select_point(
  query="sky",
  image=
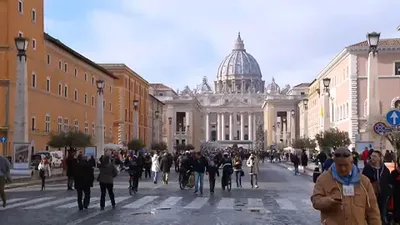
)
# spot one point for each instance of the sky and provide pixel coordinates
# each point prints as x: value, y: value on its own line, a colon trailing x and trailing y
x: 177, y: 42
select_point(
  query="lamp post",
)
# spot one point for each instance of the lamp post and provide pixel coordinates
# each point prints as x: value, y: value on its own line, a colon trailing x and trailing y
x: 305, y: 117
x: 21, y: 92
x: 326, y: 112
x: 135, y: 119
x: 284, y: 130
x: 372, y: 77
x: 170, y: 143
x: 21, y: 106
x: 156, y: 115
x: 291, y: 126
x: 100, y: 119
x: 187, y: 134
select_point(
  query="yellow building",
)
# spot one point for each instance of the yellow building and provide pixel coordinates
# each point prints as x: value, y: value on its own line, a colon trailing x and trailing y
x: 61, y: 83
x: 129, y: 87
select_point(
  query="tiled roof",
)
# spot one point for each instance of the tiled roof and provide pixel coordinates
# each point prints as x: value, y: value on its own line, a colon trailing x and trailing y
x: 159, y: 86
x: 382, y: 42
x: 77, y: 55
x: 302, y: 85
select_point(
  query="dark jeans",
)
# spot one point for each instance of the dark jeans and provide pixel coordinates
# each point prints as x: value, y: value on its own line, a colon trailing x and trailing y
x: 2, y: 188
x: 43, y: 181
x: 110, y: 189
x: 212, y: 183
x: 253, y: 180
x: 140, y: 172
x: 147, y: 172
x: 238, y: 178
x: 383, y: 207
x: 70, y: 182
x: 86, y: 199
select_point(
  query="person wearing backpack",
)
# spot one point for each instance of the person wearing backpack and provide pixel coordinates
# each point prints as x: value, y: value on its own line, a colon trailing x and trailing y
x: 44, y: 171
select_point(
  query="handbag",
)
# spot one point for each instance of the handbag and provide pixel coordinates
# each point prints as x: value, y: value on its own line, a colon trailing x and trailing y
x: 41, y: 173
x: 242, y: 173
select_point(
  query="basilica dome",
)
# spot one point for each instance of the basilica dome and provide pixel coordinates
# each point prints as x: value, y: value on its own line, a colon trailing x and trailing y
x: 273, y: 87
x: 239, y: 64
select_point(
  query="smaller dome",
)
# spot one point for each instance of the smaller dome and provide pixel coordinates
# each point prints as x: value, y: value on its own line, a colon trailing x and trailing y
x: 273, y: 88
x: 204, y: 87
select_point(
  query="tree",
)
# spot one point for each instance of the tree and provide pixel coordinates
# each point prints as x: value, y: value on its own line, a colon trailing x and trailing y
x: 259, y: 137
x: 394, y: 138
x: 189, y: 147
x: 304, y: 143
x: 159, y: 146
x: 69, y: 140
x: 332, y: 138
x: 136, y: 145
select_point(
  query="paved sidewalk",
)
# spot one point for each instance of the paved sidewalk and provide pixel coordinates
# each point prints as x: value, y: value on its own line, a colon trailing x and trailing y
x: 310, y: 168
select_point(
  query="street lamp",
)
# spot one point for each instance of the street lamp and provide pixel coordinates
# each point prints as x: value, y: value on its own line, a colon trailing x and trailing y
x: 326, y: 82
x: 373, y: 41
x: 170, y: 120
x: 21, y: 107
x: 170, y: 143
x: 136, y: 119
x: 292, y: 112
x: 100, y: 118
x: 21, y: 44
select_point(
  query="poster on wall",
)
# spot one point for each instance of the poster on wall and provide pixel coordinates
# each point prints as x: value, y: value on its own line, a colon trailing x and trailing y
x: 22, y: 155
x: 90, y: 151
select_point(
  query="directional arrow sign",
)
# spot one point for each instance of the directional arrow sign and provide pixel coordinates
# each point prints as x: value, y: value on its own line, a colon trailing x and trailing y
x: 393, y: 117
x: 3, y: 139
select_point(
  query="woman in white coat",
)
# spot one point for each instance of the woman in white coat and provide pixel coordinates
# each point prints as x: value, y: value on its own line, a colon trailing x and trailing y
x: 252, y: 163
x: 44, y: 171
x: 155, y: 167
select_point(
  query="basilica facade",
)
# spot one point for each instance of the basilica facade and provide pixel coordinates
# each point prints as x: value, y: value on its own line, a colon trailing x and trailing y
x: 234, y: 106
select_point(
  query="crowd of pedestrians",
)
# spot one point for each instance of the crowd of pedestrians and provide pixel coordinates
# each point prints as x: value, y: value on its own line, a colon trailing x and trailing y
x: 347, y: 194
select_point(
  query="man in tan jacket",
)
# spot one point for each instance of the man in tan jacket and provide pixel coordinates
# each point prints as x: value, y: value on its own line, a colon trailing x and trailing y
x: 344, y: 196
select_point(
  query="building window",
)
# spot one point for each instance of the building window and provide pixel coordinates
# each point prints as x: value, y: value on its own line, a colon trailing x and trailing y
x: 20, y: 6
x: 111, y: 133
x: 126, y: 115
x: 76, y: 95
x: 86, y: 127
x: 20, y: 34
x: 104, y: 104
x: 34, y: 15
x: 60, y: 89
x: 66, y: 125
x: 85, y: 99
x: 59, y: 124
x: 85, y: 76
x: 48, y: 59
x: 110, y: 89
x: 47, y: 123
x: 34, y: 44
x: 397, y: 68
x: 92, y: 80
x: 66, y: 91
x: 33, y: 124
x: 105, y: 135
x: 48, y: 84
x: 93, y: 129
x: 110, y: 107
x: 33, y: 80
x: 75, y: 72
x: 59, y: 64
x: 92, y: 101
x: 66, y: 67
x: 76, y: 125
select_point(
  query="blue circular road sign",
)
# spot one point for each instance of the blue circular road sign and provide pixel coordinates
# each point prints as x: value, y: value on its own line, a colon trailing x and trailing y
x: 393, y: 117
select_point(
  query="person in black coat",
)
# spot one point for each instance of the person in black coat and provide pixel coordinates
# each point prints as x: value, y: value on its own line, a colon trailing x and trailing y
x: 212, y: 170
x: 165, y: 166
x: 379, y: 175
x: 71, y: 164
x: 395, y: 182
x: 83, y: 178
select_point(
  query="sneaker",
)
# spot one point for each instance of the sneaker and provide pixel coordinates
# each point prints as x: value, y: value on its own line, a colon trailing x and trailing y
x: 195, y: 191
x: 4, y: 204
x: 256, y: 186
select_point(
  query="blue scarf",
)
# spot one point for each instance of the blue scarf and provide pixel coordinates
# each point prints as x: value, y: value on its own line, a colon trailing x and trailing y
x: 353, y: 178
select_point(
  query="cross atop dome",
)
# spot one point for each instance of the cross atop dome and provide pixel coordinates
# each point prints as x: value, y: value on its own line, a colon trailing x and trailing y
x: 239, y: 45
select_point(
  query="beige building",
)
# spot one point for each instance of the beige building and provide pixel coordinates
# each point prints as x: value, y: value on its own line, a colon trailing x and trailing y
x: 182, y: 117
x: 156, y: 113
x: 362, y: 89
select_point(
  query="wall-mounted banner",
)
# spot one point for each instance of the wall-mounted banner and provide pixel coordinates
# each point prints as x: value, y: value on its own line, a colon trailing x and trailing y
x: 22, y: 155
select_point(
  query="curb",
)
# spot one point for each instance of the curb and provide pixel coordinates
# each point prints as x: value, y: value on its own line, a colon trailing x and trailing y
x: 36, y: 181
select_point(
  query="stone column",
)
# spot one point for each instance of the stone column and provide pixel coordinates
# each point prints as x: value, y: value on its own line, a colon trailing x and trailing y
x: 218, y: 126
x: 250, y: 126
x: 100, y: 124
x: 241, y: 126
x: 207, y: 126
x: 234, y: 125
x: 223, y: 126
x: 21, y: 102
x: 231, y: 126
